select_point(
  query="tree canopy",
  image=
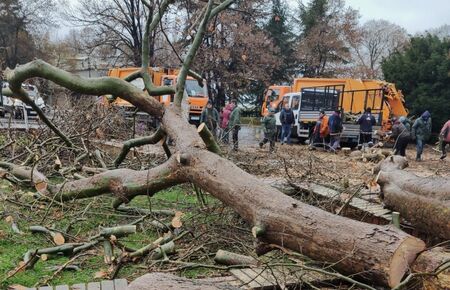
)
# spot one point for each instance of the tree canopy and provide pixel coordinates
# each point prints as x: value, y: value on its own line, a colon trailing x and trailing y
x: 422, y: 71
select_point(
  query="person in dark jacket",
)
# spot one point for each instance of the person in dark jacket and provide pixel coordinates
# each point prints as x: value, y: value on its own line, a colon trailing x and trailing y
x: 335, y: 128
x: 210, y: 117
x: 445, y: 138
x: 401, y: 135
x: 270, y: 129
x: 287, y: 120
x: 421, y: 132
x: 366, y: 123
x: 234, y: 124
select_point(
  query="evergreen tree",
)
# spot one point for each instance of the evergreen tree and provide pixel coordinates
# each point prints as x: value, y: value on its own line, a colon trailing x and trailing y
x: 422, y: 72
x: 283, y: 38
x: 312, y: 14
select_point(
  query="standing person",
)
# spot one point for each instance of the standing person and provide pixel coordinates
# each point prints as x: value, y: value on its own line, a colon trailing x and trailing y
x: 366, y: 123
x: 405, y: 121
x: 234, y: 124
x: 210, y: 117
x: 287, y: 121
x: 224, y: 122
x: 421, y: 132
x: 445, y: 138
x: 401, y: 135
x: 270, y: 129
x: 335, y: 126
x: 321, y: 129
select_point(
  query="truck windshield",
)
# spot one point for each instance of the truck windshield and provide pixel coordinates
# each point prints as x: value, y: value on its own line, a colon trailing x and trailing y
x: 193, y: 89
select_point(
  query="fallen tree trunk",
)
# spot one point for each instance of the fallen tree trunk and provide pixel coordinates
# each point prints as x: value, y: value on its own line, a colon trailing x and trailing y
x: 32, y: 175
x: 382, y: 254
x: 423, y: 201
x: 430, y: 262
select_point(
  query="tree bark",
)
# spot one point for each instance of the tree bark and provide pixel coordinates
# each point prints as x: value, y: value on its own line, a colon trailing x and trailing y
x: 37, y: 179
x: 423, y: 201
x: 230, y: 258
x: 382, y: 253
x: 430, y: 262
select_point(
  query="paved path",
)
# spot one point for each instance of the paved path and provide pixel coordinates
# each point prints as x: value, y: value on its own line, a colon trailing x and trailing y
x: 118, y: 284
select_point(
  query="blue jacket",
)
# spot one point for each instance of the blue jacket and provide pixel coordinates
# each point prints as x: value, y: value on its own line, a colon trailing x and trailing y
x: 335, y: 123
x: 366, y: 122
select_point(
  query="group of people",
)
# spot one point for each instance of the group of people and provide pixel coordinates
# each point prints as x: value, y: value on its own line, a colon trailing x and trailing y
x: 221, y: 125
x: 287, y: 120
x: 420, y: 132
x: 326, y: 128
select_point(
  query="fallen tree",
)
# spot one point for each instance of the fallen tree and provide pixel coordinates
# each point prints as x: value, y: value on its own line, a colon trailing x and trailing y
x: 382, y: 254
x: 423, y: 201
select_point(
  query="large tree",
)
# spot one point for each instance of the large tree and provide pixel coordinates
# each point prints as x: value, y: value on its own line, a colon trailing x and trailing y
x: 328, y: 28
x: 382, y: 254
x: 117, y: 25
x: 238, y: 56
x: 20, y: 22
x: 421, y: 71
x: 283, y: 38
x: 378, y: 39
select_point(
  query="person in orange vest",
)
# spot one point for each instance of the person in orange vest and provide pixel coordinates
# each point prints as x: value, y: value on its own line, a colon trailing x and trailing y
x: 321, y: 130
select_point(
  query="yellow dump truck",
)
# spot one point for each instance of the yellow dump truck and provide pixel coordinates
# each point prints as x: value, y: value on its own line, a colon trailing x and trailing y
x: 197, y: 95
x: 351, y: 96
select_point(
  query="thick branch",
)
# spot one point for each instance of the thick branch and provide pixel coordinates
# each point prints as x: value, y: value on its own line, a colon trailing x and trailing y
x: 127, y: 145
x: 209, y: 139
x: 36, y: 178
x: 89, y: 86
x: 125, y: 184
x: 181, y: 80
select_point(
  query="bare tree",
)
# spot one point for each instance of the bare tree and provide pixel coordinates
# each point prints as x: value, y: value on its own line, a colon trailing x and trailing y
x: 117, y: 25
x: 381, y: 253
x: 20, y: 21
x: 378, y: 39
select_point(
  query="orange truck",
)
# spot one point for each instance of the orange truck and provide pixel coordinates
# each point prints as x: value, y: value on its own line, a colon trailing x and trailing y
x: 197, y: 95
x: 310, y: 95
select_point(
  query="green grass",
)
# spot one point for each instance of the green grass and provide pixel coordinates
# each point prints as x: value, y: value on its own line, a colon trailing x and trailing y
x: 95, y: 212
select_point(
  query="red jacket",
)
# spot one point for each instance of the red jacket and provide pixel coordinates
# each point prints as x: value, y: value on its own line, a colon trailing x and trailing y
x: 445, y: 131
x: 226, y: 116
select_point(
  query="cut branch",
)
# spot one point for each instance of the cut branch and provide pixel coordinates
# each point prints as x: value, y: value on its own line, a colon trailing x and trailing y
x: 37, y: 179
x: 155, y: 138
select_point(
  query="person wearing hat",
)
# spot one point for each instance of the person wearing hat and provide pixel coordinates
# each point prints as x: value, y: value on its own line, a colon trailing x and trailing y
x: 421, y: 132
x: 366, y: 123
x: 269, y: 127
x: 210, y: 117
x: 335, y: 126
x: 401, y: 135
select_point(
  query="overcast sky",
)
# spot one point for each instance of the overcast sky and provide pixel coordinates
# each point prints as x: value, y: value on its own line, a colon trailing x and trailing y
x: 413, y: 15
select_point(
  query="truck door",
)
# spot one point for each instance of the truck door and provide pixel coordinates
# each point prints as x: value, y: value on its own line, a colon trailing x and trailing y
x: 295, y: 106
